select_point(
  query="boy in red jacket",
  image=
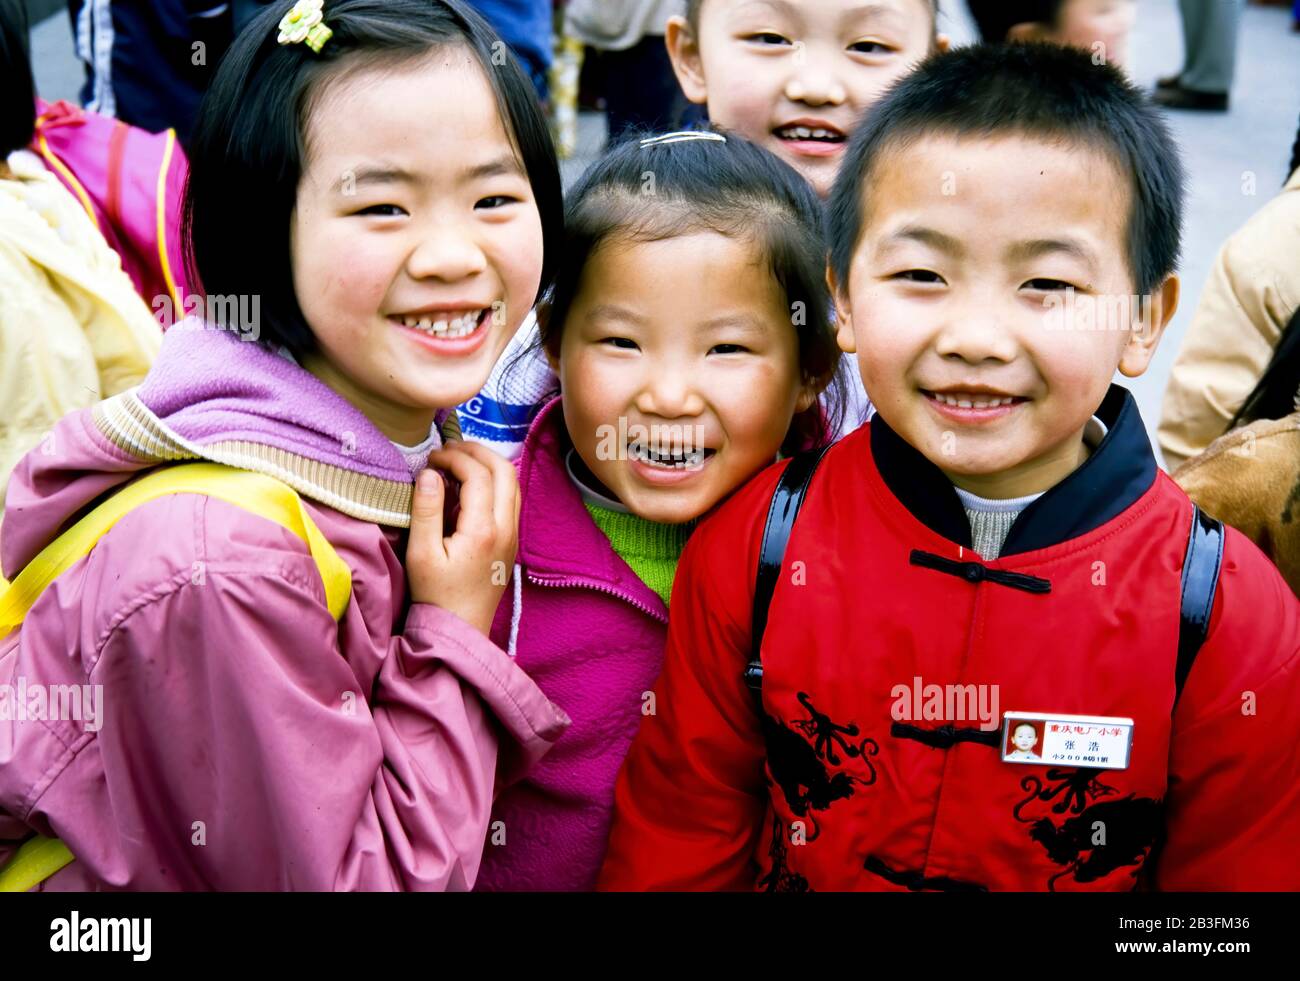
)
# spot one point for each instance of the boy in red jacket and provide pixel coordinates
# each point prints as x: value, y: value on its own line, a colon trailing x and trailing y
x: 1003, y: 238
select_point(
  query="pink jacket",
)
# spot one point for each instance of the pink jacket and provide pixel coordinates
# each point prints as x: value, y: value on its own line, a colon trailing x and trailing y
x: 246, y: 740
x: 592, y: 635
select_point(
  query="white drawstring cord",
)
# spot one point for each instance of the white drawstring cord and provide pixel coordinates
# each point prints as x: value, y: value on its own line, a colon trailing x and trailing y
x: 516, y: 611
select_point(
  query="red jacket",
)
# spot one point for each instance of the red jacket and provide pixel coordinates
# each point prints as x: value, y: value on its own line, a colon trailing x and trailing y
x: 825, y: 789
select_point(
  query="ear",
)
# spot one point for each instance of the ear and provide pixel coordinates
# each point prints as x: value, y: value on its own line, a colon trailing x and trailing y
x: 942, y: 42
x: 843, y: 314
x: 1029, y: 30
x: 684, y: 52
x: 807, y: 396
x: 1145, y: 337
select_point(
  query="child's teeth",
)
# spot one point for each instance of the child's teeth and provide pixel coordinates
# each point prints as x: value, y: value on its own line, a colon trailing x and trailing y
x: 455, y: 327
x: 973, y: 403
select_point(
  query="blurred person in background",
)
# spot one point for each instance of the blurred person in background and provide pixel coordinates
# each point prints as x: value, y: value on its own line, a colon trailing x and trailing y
x: 527, y: 27
x: 1099, y: 26
x: 72, y: 328
x: 149, y: 63
x: 630, y: 61
x: 1253, y: 290
x: 1210, y: 29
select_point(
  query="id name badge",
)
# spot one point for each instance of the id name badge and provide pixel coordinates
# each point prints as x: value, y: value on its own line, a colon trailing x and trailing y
x: 1096, y: 741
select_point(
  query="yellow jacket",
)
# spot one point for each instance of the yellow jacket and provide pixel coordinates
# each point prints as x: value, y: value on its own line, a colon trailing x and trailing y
x: 72, y: 328
x: 1251, y: 295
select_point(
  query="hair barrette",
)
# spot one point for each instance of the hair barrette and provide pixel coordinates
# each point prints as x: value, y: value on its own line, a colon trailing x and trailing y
x: 683, y: 136
x: 305, y: 22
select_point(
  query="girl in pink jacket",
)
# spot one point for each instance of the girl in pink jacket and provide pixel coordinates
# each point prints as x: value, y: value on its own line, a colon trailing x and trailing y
x: 690, y: 333
x: 368, y: 206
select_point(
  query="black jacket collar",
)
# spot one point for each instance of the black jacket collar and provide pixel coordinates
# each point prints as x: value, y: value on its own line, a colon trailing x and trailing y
x: 1119, y: 471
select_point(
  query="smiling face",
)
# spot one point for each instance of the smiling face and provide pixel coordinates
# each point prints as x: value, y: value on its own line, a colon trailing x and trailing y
x: 1088, y: 23
x: 794, y: 75
x: 962, y: 274
x: 689, y: 338
x: 417, y: 243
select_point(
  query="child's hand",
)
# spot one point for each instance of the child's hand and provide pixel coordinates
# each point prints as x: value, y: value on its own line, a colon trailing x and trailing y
x: 466, y: 572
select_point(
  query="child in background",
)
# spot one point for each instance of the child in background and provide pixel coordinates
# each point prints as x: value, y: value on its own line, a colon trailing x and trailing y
x: 689, y: 330
x: 1252, y: 291
x: 72, y: 329
x: 393, y: 266
x: 1000, y: 525
x: 1250, y: 476
x: 797, y: 77
x: 794, y: 78
x: 1100, y: 27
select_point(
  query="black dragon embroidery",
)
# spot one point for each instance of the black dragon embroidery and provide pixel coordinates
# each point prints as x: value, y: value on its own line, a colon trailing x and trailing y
x: 1131, y: 825
x: 798, y: 762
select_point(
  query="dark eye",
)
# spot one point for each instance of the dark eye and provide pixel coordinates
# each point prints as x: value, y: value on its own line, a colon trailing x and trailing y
x: 919, y: 276
x: 728, y: 349
x: 622, y: 343
x: 383, y: 210
x: 1048, y: 285
x: 767, y: 37
x: 870, y: 47
x: 496, y: 201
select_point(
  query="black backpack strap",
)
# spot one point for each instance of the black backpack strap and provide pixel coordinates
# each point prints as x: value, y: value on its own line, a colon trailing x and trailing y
x: 787, y: 499
x: 1200, y: 580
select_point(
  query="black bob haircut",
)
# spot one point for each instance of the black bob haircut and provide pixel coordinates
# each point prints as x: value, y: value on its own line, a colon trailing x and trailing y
x: 995, y: 18
x: 248, y: 148
x: 18, y: 104
x: 652, y: 193
x: 1040, y: 91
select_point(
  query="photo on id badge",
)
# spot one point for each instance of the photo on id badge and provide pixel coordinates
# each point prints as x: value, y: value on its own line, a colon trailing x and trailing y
x: 1095, y: 741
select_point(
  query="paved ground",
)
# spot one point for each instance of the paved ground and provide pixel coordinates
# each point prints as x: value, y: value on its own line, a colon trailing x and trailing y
x: 1222, y: 150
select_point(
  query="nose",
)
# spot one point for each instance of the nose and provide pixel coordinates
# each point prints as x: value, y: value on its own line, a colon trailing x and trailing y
x: 668, y: 393
x: 446, y: 252
x: 813, y: 83
x: 976, y: 333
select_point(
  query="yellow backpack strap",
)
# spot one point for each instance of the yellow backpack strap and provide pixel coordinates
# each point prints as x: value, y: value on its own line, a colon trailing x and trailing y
x: 253, y: 492
x: 39, y: 858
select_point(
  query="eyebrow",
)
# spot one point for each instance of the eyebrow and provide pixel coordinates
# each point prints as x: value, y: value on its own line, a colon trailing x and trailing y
x: 926, y: 236
x: 735, y: 321
x: 862, y: 11
x: 871, y: 11
x: 386, y: 174
x: 612, y: 311
x: 1036, y: 248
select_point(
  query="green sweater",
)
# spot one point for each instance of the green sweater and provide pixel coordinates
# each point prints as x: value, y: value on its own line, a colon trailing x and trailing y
x: 651, y: 549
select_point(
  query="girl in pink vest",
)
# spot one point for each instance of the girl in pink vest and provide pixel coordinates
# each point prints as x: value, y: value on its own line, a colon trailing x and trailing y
x: 689, y: 330
x: 386, y: 191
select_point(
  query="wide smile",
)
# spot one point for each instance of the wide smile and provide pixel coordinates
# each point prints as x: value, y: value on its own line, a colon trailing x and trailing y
x: 973, y: 407
x: 446, y: 331
x: 811, y: 138
x: 663, y: 467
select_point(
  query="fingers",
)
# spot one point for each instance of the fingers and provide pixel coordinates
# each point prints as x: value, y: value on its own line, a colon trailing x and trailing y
x: 476, y: 519
x: 426, y: 518
x: 505, y: 487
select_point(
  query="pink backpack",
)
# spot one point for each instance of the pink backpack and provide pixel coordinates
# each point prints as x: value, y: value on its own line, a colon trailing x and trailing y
x: 130, y: 183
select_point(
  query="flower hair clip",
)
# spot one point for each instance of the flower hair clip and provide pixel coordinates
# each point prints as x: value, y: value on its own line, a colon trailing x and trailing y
x: 683, y: 136
x: 305, y: 22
